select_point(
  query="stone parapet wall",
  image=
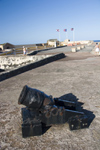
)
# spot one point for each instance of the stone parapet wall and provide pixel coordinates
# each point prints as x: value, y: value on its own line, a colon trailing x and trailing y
x: 70, y: 43
x: 32, y: 65
x: 9, y: 62
x: 85, y: 42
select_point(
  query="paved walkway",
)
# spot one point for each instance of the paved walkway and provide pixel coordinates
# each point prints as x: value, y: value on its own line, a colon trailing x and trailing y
x: 67, y: 49
x: 74, y: 79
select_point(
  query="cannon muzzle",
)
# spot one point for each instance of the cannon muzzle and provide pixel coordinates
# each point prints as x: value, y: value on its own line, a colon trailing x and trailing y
x: 34, y: 99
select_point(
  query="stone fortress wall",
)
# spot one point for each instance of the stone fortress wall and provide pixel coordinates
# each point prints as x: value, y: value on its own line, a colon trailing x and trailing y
x: 9, y: 62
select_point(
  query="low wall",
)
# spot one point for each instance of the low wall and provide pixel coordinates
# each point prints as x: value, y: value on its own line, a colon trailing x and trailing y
x: 7, y: 74
x: 11, y: 62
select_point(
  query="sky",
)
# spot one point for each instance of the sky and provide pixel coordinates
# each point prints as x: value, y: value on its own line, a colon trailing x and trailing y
x: 36, y: 21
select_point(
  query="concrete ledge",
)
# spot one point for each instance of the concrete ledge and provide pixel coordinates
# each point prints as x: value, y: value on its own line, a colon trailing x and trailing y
x: 78, y: 48
x: 11, y: 62
x: 74, y: 49
x: 19, y: 70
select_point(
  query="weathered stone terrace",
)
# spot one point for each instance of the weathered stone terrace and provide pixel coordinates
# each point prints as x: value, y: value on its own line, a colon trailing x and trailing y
x: 76, y: 77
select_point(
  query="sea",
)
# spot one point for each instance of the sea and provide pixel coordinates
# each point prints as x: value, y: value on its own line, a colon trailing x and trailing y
x: 96, y: 40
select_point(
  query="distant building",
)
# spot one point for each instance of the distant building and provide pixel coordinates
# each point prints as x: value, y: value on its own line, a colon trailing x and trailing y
x: 6, y: 46
x: 53, y: 42
x: 65, y: 42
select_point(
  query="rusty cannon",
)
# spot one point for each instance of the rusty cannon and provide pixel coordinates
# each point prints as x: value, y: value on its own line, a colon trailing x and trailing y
x: 42, y: 111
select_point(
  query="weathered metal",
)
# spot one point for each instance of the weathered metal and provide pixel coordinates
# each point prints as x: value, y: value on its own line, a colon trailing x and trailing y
x: 43, y: 110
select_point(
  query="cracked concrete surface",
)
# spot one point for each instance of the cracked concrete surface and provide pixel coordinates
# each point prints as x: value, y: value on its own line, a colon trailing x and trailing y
x: 79, y: 79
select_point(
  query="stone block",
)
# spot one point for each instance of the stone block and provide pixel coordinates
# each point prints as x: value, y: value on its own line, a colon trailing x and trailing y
x: 74, y: 49
x: 78, y: 48
x: 82, y: 46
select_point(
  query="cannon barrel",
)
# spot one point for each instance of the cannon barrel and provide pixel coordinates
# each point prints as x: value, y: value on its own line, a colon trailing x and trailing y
x: 42, y: 109
x: 34, y: 99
